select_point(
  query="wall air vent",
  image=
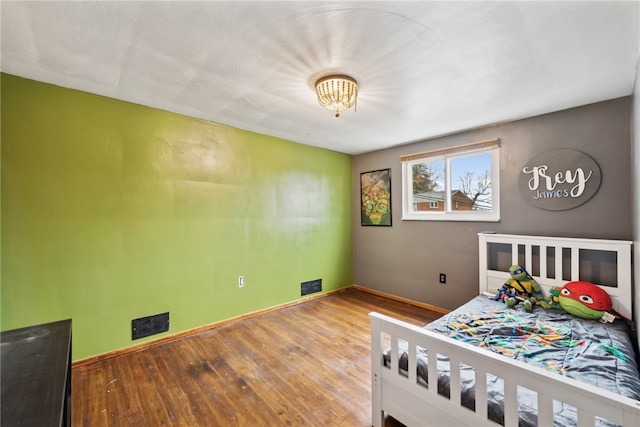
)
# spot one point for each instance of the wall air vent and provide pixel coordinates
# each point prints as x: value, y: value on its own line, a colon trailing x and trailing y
x: 150, y: 325
x: 310, y: 287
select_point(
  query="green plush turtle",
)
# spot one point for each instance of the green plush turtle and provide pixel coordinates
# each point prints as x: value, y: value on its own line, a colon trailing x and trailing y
x: 554, y: 298
x: 522, y: 289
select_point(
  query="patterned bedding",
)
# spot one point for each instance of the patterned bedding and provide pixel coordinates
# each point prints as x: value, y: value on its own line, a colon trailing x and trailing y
x: 586, y: 350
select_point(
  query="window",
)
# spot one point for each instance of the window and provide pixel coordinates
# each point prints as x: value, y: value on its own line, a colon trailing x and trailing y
x: 453, y: 184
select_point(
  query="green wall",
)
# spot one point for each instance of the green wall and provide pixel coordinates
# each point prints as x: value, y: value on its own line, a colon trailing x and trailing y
x: 113, y: 211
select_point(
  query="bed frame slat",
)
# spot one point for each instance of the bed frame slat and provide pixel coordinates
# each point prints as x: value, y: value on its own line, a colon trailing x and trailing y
x: 544, y: 271
x: 558, y: 263
x: 394, y: 354
x: 413, y: 373
x: 481, y: 393
x: 575, y: 263
x: 454, y: 380
x: 545, y: 410
x: 510, y: 403
x: 586, y: 418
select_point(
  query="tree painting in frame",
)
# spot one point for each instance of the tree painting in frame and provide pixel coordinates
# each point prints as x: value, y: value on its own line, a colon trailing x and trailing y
x: 375, y: 197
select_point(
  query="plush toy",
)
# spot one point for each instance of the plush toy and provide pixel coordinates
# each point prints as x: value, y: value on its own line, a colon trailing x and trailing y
x: 554, y: 298
x: 585, y: 300
x: 521, y: 288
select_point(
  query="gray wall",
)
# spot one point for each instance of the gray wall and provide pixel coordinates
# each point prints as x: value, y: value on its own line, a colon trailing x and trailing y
x: 406, y: 258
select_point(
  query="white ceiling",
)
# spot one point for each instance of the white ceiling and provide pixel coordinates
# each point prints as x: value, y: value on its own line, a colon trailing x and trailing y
x: 425, y: 68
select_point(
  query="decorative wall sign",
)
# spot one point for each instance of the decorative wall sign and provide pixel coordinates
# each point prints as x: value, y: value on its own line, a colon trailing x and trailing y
x: 559, y: 179
x: 375, y: 197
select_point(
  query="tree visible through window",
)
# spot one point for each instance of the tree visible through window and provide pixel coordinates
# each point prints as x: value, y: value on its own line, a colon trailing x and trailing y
x: 460, y: 183
x: 475, y: 183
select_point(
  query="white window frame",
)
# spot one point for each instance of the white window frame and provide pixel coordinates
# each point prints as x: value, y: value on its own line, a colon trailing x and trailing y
x: 409, y: 212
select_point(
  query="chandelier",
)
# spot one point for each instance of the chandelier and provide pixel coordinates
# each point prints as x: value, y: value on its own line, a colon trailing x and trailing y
x: 337, y: 93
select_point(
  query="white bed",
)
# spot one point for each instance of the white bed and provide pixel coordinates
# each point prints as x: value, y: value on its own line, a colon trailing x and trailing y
x: 552, y: 262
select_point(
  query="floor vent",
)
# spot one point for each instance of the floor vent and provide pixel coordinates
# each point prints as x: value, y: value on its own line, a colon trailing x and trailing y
x: 310, y: 287
x: 150, y: 325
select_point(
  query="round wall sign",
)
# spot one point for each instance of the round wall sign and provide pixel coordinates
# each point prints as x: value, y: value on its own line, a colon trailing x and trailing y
x: 560, y: 179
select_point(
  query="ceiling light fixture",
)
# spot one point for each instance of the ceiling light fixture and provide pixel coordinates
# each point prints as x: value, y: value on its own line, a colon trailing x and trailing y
x: 337, y: 93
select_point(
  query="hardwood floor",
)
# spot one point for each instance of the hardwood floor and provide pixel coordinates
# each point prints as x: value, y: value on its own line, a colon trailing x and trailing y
x: 303, y: 365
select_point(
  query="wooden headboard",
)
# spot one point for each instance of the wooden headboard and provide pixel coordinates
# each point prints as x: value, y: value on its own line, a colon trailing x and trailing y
x: 554, y: 261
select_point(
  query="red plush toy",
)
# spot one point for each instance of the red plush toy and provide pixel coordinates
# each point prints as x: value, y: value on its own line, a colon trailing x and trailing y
x: 585, y: 300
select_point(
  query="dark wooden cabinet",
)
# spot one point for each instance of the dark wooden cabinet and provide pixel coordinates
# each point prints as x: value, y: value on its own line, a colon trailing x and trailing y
x: 36, y: 375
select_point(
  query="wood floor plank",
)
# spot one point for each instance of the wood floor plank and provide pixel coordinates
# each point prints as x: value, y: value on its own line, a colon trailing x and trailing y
x: 302, y: 365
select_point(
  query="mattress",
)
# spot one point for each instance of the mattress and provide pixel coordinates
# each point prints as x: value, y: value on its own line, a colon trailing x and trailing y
x: 601, y: 354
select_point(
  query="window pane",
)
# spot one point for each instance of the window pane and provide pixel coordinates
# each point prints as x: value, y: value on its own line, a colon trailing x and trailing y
x: 471, y: 187
x: 457, y: 186
x: 428, y: 186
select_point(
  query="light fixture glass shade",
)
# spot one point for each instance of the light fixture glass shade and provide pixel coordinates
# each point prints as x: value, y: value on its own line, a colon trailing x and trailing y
x: 337, y: 93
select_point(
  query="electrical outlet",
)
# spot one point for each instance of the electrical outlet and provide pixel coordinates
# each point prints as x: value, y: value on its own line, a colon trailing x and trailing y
x: 241, y: 281
x: 443, y: 278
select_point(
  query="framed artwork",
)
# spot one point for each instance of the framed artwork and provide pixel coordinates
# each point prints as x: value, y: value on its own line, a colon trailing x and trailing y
x: 375, y: 197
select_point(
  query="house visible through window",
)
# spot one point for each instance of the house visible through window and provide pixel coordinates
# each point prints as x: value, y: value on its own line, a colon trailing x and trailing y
x: 453, y: 184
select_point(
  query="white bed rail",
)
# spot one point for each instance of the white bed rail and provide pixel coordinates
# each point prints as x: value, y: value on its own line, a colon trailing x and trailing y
x: 412, y: 402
